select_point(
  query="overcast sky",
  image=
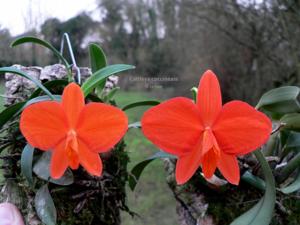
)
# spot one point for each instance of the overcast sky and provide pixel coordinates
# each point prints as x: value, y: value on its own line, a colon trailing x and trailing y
x: 14, y: 14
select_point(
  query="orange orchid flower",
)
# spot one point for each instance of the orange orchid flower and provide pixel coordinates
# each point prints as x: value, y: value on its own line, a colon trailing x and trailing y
x: 206, y: 133
x: 75, y: 133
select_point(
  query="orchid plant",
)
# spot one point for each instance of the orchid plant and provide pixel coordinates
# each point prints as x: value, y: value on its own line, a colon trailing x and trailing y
x: 58, y: 131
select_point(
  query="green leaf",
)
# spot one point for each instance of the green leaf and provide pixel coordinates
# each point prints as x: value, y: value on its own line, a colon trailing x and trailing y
x: 280, y: 100
x: 97, y: 57
x: 98, y: 61
x: 42, y: 170
x: 27, y: 39
x: 17, y: 108
x: 293, y: 140
x: 38, y: 99
x: 49, y: 84
x: 289, y: 168
x: 262, y: 212
x: 135, y: 125
x: 41, y: 99
x: 95, y: 79
x: 291, y: 121
x: 29, y: 77
x: 139, y: 168
x: 295, y: 186
x: 254, y: 181
x: 9, y: 112
x: 111, y: 94
x: 26, y: 163
x: 44, y: 206
x: 93, y: 98
x: 141, y: 103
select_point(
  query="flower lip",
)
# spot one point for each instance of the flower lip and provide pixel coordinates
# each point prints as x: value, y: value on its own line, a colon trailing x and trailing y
x: 72, y: 140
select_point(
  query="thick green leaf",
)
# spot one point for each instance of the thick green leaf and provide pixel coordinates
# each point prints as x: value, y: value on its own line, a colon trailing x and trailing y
x: 141, y: 103
x: 44, y: 206
x: 29, y: 77
x: 17, y: 108
x: 93, y: 98
x: 253, y: 180
x: 293, y: 140
x: 49, y: 84
x: 39, y: 99
x: 280, y: 100
x: 98, y: 61
x: 42, y: 170
x: 292, y: 165
x: 135, y: 125
x: 27, y: 39
x: 95, y: 79
x: 262, y: 212
x: 111, y: 94
x: 295, y: 186
x: 139, y: 168
x: 26, y: 163
x: 97, y: 57
x: 292, y: 143
x: 9, y: 112
x: 291, y: 121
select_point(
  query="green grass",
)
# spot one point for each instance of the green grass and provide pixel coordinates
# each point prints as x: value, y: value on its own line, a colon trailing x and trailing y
x: 152, y: 199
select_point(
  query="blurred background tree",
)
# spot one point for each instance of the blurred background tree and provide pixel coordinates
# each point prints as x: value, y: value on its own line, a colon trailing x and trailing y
x: 245, y: 42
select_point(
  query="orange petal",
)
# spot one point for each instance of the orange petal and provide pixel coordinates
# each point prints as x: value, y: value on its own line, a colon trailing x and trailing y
x: 209, y: 163
x: 89, y: 160
x: 59, y: 161
x: 174, y: 126
x: 44, y: 124
x: 229, y: 167
x: 241, y: 129
x: 188, y: 164
x: 209, y: 99
x: 72, y: 102
x: 101, y: 126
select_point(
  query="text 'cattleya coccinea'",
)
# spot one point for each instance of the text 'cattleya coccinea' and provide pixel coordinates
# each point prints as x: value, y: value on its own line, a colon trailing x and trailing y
x: 206, y: 133
x: 75, y: 133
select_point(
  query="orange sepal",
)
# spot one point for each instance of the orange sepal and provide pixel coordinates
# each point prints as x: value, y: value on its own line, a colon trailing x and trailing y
x: 229, y: 168
x: 188, y: 164
x: 89, y: 159
x: 72, y: 103
x: 209, y: 98
x: 59, y: 161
